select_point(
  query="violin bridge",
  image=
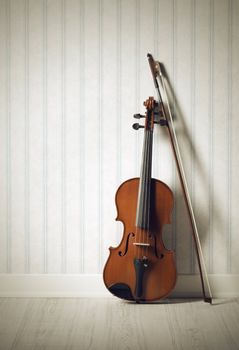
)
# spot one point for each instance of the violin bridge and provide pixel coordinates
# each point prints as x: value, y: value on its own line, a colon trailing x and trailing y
x: 141, y: 244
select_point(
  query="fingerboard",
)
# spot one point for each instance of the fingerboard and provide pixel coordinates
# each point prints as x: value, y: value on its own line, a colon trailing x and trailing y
x: 143, y: 204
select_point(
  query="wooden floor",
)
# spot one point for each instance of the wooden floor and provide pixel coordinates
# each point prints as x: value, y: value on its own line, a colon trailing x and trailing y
x: 113, y: 324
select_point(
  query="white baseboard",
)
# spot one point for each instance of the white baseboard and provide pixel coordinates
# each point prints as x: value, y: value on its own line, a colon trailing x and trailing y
x: 46, y: 285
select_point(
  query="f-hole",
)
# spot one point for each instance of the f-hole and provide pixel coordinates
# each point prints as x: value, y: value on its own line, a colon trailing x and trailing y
x: 127, y: 244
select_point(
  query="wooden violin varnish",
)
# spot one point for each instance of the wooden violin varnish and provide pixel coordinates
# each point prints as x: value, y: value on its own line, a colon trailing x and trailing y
x: 141, y: 268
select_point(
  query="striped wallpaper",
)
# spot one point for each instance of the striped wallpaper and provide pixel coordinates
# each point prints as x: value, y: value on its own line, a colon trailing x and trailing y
x: 72, y: 73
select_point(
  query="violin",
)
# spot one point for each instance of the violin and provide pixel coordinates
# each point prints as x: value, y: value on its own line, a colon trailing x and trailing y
x: 140, y: 268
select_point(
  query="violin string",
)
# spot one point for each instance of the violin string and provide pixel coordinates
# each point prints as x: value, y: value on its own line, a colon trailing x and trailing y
x: 140, y: 202
x: 146, y: 194
x: 148, y: 223
x: 146, y: 191
x: 148, y: 198
x: 149, y: 192
x: 142, y: 198
x: 150, y: 186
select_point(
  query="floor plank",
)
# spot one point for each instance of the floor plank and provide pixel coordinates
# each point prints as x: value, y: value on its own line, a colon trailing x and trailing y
x: 12, y: 314
x: 58, y: 323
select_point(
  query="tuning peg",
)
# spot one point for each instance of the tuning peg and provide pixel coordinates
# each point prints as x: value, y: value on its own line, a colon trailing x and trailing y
x: 136, y: 126
x: 138, y: 116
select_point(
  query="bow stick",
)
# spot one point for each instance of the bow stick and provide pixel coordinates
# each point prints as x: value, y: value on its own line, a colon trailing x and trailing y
x: 159, y: 82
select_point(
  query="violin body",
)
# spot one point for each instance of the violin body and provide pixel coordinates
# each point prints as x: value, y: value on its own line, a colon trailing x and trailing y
x: 141, y: 268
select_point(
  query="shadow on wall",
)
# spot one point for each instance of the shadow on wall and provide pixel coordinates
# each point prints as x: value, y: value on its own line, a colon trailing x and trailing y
x: 202, y: 218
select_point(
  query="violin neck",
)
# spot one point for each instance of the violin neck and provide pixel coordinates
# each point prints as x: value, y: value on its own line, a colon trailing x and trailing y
x: 143, y: 204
